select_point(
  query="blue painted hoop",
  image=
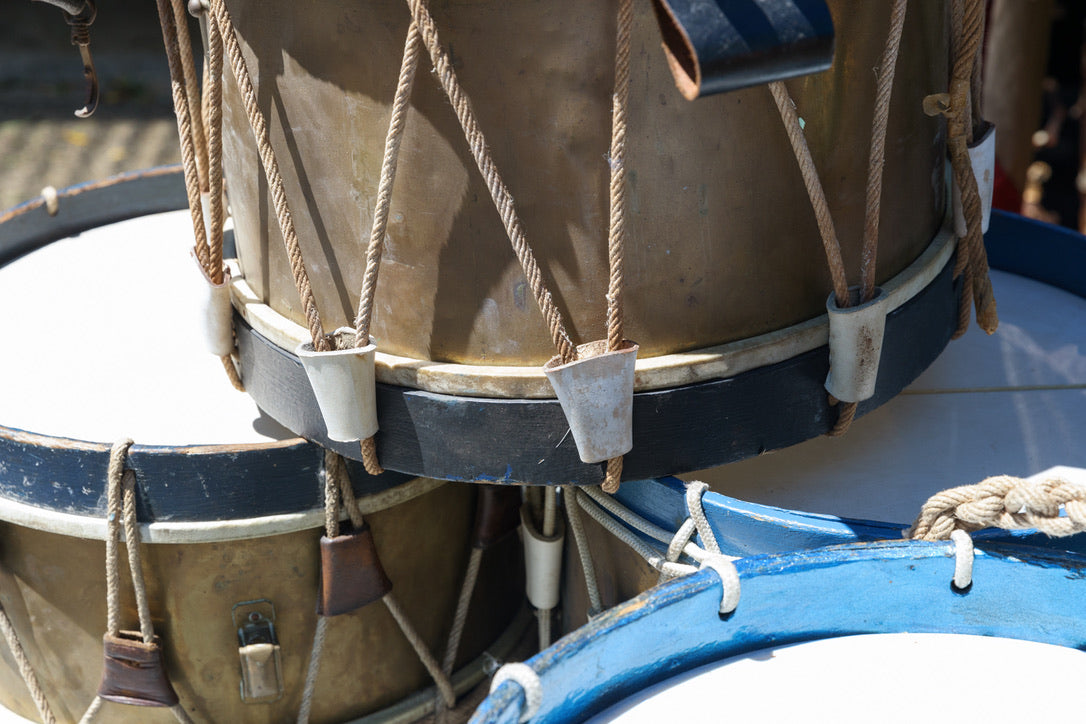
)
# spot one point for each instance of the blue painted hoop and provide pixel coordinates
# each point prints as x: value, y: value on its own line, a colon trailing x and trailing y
x: 890, y: 587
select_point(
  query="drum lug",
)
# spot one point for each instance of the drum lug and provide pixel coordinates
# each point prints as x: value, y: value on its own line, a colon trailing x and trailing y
x: 258, y: 649
x: 343, y: 383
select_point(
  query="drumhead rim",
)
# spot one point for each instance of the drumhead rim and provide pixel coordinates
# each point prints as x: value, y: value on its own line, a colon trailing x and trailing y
x: 832, y: 597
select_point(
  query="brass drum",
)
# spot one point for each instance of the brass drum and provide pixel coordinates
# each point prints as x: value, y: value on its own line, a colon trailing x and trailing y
x: 723, y: 247
x: 229, y: 503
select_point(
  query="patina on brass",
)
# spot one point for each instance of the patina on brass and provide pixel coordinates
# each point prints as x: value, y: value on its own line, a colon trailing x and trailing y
x: 722, y: 240
x: 53, y: 588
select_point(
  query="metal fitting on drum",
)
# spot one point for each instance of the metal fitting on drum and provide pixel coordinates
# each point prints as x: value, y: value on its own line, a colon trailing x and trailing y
x: 856, y: 334
x: 343, y: 383
x: 215, y: 313
x: 596, y: 394
x: 982, y: 158
x: 542, y: 561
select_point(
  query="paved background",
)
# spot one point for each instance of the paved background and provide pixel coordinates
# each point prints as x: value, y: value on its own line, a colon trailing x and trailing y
x: 41, y: 84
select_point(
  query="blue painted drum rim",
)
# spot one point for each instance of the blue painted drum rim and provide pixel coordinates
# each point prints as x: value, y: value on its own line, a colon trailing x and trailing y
x: 253, y: 480
x: 874, y: 588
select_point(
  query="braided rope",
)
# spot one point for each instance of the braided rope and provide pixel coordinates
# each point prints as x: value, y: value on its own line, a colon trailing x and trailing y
x: 184, y: 127
x: 214, y: 151
x: 1004, y: 502
x: 258, y: 124
x: 192, y: 89
x: 802, y: 151
x: 25, y: 669
x: 118, y: 454
x: 503, y: 199
x: 588, y: 567
x: 877, y: 158
x: 976, y: 285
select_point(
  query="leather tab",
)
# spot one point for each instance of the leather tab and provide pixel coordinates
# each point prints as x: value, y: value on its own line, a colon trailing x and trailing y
x: 134, y: 672
x: 714, y: 46
x: 351, y: 572
x: 497, y: 514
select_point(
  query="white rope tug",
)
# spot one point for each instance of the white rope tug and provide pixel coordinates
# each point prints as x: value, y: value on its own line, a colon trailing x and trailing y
x: 963, y: 559
x: 529, y: 683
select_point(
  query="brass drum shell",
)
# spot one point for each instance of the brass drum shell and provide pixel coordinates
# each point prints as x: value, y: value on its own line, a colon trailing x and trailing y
x: 722, y: 243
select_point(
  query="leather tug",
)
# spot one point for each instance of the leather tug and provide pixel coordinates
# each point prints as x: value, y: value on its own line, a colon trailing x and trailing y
x: 351, y: 572
x: 497, y: 514
x: 134, y: 673
x: 715, y: 46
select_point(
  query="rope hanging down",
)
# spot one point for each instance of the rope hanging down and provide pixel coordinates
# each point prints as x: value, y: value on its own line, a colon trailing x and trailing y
x: 1003, y: 502
x: 339, y: 497
x: 876, y: 164
x: 616, y: 240
x: 121, y: 510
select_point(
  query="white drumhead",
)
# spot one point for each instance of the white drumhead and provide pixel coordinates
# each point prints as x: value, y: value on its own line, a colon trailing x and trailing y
x: 101, y: 341
x: 873, y: 678
x: 1013, y: 403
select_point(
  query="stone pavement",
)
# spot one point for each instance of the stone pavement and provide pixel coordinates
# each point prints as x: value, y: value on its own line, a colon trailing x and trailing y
x: 41, y: 84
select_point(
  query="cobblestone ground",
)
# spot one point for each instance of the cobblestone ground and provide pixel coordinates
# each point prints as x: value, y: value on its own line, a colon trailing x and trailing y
x: 41, y: 84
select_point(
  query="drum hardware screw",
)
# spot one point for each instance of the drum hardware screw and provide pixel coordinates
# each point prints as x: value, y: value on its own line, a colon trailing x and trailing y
x: 258, y: 649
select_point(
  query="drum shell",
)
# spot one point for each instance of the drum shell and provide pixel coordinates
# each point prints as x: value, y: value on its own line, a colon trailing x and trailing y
x: 722, y: 240
x: 53, y: 588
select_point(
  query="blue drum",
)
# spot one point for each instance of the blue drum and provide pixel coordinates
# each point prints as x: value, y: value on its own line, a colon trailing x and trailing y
x: 837, y: 633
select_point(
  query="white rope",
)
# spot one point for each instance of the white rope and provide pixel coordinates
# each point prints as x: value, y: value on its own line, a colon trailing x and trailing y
x: 694, y: 492
x: 544, y: 616
x: 92, y: 711
x: 632, y: 519
x: 729, y: 581
x: 573, y: 513
x: 618, y: 530
x: 963, y: 559
x: 675, y: 549
x: 529, y: 682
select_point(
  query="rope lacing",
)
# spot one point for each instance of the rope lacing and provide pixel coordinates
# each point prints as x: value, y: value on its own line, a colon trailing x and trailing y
x: 815, y: 192
x: 339, y: 498
x: 121, y: 511
x: 1004, y: 502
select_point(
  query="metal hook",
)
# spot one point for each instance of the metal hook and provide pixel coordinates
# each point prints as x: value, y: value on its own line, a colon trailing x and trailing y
x: 80, y: 24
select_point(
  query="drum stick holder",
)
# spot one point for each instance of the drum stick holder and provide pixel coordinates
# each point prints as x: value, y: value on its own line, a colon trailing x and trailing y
x: 982, y: 158
x: 134, y: 672
x: 542, y: 561
x: 596, y: 394
x: 344, y: 384
x: 351, y: 573
x: 856, y: 334
x: 714, y: 47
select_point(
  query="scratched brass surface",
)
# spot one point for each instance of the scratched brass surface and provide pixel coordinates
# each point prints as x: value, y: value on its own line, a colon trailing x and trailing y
x: 722, y: 240
x: 53, y: 587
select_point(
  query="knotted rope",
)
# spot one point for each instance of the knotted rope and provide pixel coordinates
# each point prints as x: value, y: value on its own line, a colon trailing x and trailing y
x: 121, y: 510
x: 1004, y: 502
x: 339, y: 496
x: 873, y: 200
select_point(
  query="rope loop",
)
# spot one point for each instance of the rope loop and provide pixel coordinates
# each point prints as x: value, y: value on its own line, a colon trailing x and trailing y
x: 529, y: 682
x: 694, y: 492
x: 963, y: 559
x: 729, y: 581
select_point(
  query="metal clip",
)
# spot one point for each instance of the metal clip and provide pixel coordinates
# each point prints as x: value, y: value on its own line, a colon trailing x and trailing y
x: 80, y: 24
x: 258, y: 648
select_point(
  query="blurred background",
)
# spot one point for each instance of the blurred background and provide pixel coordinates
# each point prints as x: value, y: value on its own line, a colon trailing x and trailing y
x: 1033, y: 92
